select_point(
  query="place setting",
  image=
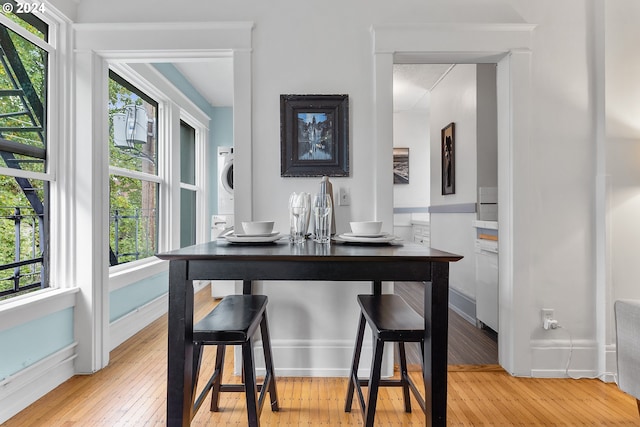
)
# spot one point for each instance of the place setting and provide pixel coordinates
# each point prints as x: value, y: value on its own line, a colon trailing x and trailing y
x: 367, y: 232
x: 255, y: 232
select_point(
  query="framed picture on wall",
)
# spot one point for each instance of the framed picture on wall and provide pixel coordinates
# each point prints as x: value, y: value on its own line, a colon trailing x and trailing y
x: 314, y: 135
x: 448, y: 153
x: 400, y: 165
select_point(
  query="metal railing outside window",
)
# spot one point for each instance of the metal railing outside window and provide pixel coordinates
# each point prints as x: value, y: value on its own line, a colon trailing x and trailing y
x: 131, y: 238
x: 25, y: 272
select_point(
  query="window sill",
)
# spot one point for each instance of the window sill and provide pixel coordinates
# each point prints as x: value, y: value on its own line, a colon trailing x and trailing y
x: 25, y: 308
x: 131, y: 272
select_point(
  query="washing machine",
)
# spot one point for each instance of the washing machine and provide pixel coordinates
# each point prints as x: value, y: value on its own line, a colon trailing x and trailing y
x: 223, y: 221
x: 225, y: 180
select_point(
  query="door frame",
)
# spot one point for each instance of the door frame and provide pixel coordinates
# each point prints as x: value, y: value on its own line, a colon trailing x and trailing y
x: 508, y: 46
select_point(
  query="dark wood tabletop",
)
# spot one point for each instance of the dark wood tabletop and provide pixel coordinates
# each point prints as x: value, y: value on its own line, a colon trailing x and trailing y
x: 309, y: 250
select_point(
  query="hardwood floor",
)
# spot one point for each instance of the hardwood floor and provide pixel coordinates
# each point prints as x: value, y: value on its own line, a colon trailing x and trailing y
x: 131, y: 392
x: 468, y: 345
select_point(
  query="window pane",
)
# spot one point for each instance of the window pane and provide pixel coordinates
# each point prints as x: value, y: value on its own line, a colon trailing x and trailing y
x: 29, y: 21
x: 187, y: 154
x: 133, y: 225
x: 132, y: 120
x: 22, y: 227
x: 187, y: 217
x: 23, y: 87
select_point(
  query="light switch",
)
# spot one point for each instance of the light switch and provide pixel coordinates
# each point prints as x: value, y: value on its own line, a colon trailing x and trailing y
x: 344, y: 198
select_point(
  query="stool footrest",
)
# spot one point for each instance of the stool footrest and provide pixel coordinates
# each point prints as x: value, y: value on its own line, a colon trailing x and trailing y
x: 234, y: 321
x: 391, y: 319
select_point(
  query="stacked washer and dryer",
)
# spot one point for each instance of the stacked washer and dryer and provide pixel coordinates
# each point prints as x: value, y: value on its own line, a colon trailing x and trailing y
x: 223, y: 221
x: 224, y: 218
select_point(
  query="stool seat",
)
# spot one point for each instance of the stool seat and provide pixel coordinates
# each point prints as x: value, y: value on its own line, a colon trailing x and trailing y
x: 391, y: 319
x: 234, y: 321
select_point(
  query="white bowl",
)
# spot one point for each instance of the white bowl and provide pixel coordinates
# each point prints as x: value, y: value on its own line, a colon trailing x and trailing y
x: 257, y: 227
x: 366, y: 227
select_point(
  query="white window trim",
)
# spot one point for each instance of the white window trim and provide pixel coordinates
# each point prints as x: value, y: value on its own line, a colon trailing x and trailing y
x: 16, y: 28
x: 143, y: 176
x: 201, y: 154
x: 58, y: 131
x: 96, y: 45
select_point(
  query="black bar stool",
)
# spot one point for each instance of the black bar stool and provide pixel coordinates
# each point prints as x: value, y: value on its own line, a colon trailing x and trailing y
x: 234, y: 321
x: 391, y: 320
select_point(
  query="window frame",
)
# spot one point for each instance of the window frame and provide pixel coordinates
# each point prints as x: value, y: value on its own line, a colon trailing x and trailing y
x: 173, y: 107
x: 53, y: 135
x: 134, y: 86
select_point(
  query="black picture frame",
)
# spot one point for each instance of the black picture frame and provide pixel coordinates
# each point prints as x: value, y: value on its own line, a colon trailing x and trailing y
x: 314, y: 135
x: 448, y: 154
x: 400, y: 165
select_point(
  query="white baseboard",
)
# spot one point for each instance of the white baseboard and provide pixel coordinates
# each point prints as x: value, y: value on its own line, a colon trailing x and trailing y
x: 564, y: 358
x: 128, y: 325
x: 319, y: 358
x: 28, y: 385
x: 610, y: 365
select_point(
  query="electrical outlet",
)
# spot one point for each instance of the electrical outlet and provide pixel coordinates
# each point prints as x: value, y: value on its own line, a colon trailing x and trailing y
x: 547, y: 317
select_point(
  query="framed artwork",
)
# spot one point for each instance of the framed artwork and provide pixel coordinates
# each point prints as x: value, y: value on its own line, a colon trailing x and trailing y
x: 314, y: 135
x: 400, y: 165
x: 448, y: 152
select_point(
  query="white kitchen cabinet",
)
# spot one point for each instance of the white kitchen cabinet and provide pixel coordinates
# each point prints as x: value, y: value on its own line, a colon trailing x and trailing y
x: 486, y: 253
x: 421, y: 232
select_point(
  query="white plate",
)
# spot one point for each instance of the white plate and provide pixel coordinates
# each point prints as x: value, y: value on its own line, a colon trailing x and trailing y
x: 254, y: 239
x: 358, y: 239
x: 382, y: 234
x: 245, y: 236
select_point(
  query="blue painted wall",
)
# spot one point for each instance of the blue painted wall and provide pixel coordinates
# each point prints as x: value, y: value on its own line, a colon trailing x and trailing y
x: 129, y: 298
x: 30, y: 342
x: 220, y: 127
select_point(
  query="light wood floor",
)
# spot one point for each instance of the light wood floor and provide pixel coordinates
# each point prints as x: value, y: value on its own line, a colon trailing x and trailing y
x: 131, y: 392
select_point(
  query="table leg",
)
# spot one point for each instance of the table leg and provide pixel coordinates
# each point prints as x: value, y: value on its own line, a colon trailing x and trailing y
x: 436, y: 322
x: 376, y: 287
x: 247, y: 287
x: 180, y: 363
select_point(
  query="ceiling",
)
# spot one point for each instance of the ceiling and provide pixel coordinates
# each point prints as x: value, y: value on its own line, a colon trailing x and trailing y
x: 412, y: 82
x: 213, y: 78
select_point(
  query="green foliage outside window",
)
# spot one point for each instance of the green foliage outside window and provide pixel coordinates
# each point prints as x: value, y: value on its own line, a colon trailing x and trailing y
x: 132, y: 202
x: 23, y: 70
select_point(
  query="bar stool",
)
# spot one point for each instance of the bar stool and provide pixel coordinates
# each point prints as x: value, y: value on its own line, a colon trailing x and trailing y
x: 391, y: 320
x: 234, y: 321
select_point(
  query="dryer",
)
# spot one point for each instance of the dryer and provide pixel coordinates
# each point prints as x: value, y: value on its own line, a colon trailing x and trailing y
x: 222, y: 222
x: 225, y: 180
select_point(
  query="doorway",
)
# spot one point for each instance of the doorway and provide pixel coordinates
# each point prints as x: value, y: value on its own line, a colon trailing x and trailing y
x: 426, y: 99
x: 509, y: 48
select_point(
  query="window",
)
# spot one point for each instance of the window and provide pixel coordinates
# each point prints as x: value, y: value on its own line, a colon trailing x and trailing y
x: 188, y: 190
x: 133, y: 173
x: 24, y: 175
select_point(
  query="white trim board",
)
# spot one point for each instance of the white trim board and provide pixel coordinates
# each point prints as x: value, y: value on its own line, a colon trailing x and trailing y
x: 28, y: 385
x: 131, y: 323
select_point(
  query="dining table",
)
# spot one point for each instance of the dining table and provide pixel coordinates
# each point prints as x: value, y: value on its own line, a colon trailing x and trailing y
x: 306, y: 263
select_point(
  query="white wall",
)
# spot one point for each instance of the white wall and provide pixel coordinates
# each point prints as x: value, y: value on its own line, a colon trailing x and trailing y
x: 411, y: 130
x: 623, y: 140
x: 454, y: 100
x: 561, y: 158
